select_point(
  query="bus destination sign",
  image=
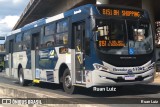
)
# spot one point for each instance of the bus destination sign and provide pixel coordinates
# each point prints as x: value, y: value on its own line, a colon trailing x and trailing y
x: 111, y: 43
x: 120, y: 12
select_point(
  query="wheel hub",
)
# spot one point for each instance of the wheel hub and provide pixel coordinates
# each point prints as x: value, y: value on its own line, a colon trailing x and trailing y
x: 21, y: 78
x: 68, y: 81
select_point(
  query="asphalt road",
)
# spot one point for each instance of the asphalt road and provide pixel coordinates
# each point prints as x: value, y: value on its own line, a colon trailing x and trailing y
x: 7, y: 105
x: 138, y: 91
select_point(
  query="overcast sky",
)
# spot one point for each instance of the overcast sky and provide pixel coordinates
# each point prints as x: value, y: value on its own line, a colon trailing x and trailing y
x: 10, y: 11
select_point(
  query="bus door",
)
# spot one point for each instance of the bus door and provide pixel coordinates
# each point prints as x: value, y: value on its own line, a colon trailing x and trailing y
x: 34, y: 55
x: 79, y: 35
x: 11, y: 44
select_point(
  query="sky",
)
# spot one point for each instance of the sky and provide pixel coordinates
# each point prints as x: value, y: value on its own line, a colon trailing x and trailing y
x: 10, y: 11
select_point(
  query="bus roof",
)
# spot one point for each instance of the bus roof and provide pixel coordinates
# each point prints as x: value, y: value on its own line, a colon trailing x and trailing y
x: 81, y: 9
x: 51, y: 19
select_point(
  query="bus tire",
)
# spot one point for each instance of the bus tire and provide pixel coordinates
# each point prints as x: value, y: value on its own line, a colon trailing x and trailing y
x: 67, y: 82
x: 22, y: 81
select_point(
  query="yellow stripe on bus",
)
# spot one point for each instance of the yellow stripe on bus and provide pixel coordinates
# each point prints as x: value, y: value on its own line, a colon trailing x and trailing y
x: 79, y: 59
x: 78, y: 48
x: 36, y: 81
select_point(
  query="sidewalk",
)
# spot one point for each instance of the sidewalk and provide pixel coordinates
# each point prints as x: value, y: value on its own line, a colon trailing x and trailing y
x: 157, y: 78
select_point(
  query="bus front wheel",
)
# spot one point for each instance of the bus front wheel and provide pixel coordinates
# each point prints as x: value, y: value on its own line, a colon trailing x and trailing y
x: 22, y: 81
x: 67, y: 82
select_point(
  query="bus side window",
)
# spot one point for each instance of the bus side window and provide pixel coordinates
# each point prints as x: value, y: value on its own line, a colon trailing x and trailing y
x: 62, y: 30
x: 48, y: 38
x: 62, y: 38
x: 26, y: 40
x: 49, y: 41
x: 18, y: 38
x: 18, y: 42
x: 62, y: 26
x: 49, y: 29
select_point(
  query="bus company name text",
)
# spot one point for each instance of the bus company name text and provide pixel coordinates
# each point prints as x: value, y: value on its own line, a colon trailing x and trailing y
x: 133, y: 69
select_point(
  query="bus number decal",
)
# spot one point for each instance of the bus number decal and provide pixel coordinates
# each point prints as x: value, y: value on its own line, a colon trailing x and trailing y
x: 102, y: 43
x: 112, y: 43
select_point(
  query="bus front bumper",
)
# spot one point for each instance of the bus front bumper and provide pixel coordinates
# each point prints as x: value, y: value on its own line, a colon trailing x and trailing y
x: 102, y: 78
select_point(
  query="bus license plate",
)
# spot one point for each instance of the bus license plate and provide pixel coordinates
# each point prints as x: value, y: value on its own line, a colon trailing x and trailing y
x: 129, y: 77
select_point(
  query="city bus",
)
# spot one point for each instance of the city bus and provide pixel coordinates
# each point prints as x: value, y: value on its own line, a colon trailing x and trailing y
x: 91, y: 45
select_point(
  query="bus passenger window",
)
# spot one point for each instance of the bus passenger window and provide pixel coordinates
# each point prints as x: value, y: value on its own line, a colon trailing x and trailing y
x: 62, y: 38
x: 65, y: 39
x: 26, y: 36
x: 26, y: 40
x: 62, y: 26
x: 18, y: 42
x: 18, y: 38
x: 50, y: 29
x: 49, y: 41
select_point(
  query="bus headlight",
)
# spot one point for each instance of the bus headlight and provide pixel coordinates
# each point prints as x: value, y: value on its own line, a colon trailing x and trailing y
x: 100, y: 67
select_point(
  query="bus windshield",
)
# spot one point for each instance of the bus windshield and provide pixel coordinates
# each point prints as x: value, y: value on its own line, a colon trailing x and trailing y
x: 123, y: 37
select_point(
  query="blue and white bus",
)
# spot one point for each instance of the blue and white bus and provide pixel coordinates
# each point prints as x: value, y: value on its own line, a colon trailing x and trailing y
x: 92, y: 45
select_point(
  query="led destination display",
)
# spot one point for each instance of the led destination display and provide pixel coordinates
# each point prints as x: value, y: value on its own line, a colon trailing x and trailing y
x: 120, y: 12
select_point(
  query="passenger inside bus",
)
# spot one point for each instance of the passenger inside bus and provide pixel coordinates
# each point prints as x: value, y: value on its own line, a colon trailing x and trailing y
x: 139, y: 34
